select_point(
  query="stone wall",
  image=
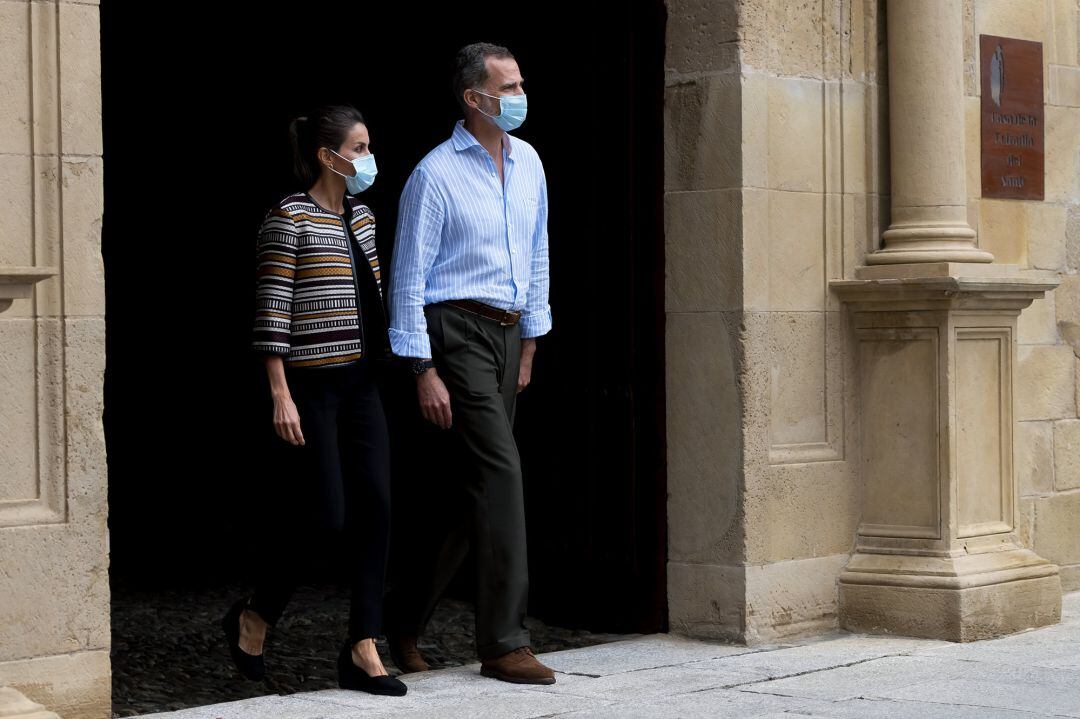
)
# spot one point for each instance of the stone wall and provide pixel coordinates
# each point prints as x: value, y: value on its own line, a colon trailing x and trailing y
x: 54, y: 596
x: 1044, y: 239
x: 777, y: 181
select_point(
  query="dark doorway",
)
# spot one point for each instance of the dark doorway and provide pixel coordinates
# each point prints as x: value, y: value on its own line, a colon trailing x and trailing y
x: 196, y: 103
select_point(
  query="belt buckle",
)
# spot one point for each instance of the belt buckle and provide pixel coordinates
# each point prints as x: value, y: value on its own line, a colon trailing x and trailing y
x: 504, y: 321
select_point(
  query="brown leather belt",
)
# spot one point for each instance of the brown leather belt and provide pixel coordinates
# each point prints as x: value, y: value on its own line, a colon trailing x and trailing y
x: 506, y: 318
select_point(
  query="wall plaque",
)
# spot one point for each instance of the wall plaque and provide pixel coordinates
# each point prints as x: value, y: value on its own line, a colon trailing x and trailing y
x: 1013, y: 139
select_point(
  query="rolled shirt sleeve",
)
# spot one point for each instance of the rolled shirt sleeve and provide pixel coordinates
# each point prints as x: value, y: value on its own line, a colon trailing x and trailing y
x: 420, y: 225
x: 275, y: 275
x: 536, y: 319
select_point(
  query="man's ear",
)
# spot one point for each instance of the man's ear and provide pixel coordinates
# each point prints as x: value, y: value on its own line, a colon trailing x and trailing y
x: 475, y: 104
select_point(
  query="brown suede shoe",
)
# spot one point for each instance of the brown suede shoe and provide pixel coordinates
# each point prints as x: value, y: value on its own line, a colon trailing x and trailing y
x: 405, y: 654
x: 518, y: 667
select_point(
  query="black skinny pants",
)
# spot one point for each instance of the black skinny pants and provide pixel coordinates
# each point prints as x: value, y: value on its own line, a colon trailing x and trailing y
x: 333, y: 489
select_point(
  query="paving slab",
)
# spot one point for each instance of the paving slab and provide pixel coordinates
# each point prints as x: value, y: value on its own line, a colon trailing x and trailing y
x: 645, y: 684
x: 1034, y: 650
x: 650, y: 652
x: 522, y: 703
x: 712, y: 704
x: 829, y: 653
x: 868, y: 678
x: 294, y: 706
x: 995, y: 695
x: 903, y: 709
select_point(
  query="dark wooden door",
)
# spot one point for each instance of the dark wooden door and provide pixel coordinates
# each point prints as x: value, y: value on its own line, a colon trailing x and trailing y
x: 195, y: 108
x: 591, y: 428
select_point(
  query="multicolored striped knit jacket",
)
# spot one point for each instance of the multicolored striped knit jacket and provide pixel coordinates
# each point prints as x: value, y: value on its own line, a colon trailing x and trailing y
x: 306, y: 294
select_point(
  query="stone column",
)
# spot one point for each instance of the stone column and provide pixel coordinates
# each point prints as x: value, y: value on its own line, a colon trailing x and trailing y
x: 926, y: 136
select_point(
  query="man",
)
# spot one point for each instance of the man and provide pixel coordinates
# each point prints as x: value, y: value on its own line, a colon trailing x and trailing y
x: 468, y: 297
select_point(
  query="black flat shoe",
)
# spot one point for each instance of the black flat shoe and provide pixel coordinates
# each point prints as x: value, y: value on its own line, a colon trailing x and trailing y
x: 351, y: 676
x: 250, y: 665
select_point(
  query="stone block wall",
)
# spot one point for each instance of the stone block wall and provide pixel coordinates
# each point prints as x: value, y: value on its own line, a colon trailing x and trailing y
x: 54, y: 595
x: 1043, y: 238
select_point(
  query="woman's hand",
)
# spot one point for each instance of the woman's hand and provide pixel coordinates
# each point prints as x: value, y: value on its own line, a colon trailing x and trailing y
x: 287, y: 421
x: 286, y: 418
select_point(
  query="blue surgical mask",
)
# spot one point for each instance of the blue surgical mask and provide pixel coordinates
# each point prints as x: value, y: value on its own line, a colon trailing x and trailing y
x: 512, y: 110
x: 365, y: 173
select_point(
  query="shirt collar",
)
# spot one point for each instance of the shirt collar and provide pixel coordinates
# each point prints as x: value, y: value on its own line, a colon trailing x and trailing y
x: 463, y: 139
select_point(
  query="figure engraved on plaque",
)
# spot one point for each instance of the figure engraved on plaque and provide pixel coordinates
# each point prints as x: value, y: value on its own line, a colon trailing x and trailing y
x: 997, y: 76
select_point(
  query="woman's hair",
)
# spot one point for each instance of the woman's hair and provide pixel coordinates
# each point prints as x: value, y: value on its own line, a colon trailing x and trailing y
x: 328, y: 126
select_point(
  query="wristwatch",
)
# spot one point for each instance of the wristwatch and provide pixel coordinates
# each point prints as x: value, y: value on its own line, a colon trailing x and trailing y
x: 420, y: 366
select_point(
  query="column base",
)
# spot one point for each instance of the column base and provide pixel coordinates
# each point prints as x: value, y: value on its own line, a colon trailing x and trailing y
x: 929, y: 234
x: 958, y: 599
x: 906, y: 256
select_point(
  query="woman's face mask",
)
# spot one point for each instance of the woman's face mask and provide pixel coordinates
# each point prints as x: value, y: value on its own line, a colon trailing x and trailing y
x: 365, y: 171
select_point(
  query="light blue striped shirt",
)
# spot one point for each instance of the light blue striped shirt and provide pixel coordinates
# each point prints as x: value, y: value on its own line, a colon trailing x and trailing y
x: 463, y: 236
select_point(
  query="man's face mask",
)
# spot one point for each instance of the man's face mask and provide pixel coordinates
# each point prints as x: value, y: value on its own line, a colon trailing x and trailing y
x: 512, y: 110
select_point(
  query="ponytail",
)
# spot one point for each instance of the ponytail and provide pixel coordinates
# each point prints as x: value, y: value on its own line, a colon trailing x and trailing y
x: 303, y: 152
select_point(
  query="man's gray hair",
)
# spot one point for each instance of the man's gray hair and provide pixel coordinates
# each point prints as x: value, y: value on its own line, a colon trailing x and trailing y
x: 470, y: 67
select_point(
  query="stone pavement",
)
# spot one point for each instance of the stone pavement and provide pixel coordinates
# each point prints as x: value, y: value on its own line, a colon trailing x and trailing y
x: 1023, y: 676
x: 168, y: 653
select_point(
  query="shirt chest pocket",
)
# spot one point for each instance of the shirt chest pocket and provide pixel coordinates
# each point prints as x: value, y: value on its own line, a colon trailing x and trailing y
x: 525, y: 214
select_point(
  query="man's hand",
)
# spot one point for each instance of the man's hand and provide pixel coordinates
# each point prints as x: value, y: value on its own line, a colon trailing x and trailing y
x: 434, y: 399
x: 528, y: 349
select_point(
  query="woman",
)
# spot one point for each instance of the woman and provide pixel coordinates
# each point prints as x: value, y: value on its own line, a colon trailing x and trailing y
x: 320, y: 324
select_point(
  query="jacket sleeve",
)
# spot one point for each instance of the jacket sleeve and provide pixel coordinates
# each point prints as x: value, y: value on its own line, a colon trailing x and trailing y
x: 275, y: 274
